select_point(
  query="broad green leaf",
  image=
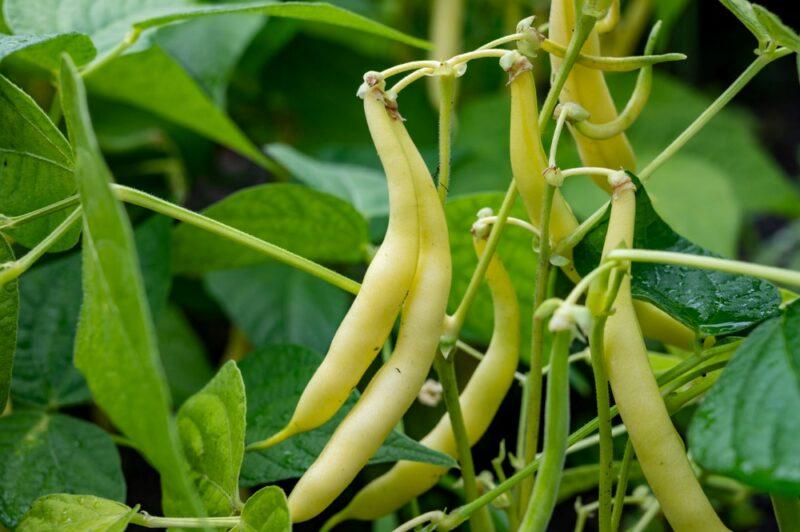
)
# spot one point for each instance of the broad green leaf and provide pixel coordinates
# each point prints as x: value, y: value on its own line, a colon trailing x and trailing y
x: 728, y: 143
x: 310, y: 223
x: 46, y: 49
x: 35, y: 167
x: 115, y: 348
x: 747, y: 426
x: 364, y: 188
x: 211, y: 424
x: 183, y: 355
x: 76, y: 513
x: 50, y: 302
x: 681, y: 195
x: 153, y: 80
x: 276, y: 304
x: 743, y: 10
x: 9, y: 323
x: 265, y: 511
x: 777, y: 30
x: 711, y: 303
x: 308, y: 11
x: 516, y: 251
x: 53, y: 453
x: 274, y: 378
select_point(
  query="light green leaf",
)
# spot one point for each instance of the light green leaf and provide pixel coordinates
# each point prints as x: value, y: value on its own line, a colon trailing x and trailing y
x: 681, y: 196
x: 183, y: 355
x: 276, y: 304
x: 365, y: 188
x: 778, y: 31
x: 9, y: 322
x: 153, y: 80
x: 50, y: 302
x: 309, y: 11
x: 211, y: 424
x: 315, y: 225
x: 52, y: 453
x: 76, y: 513
x: 35, y: 167
x: 274, y: 378
x: 743, y: 10
x: 747, y: 426
x: 46, y: 49
x: 115, y: 347
x: 265, y: 511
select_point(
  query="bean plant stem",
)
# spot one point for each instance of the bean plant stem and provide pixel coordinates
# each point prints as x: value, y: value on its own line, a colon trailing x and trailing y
x: 770, y: 273
x: 445, y: 368
x: 749, y: 73
x: 622, y: 486
x: 787, y: 512
x: 14, y: 221
x: 130, y: 39
x: 151, y: 521
x: 446, y: 102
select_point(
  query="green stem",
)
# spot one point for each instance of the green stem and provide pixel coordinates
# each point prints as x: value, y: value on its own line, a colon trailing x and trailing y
x: 12, y: 270
x: 14, y: 221
x: 787, y: 512
x: 574, y: 238
x: 130, y: 39
x: 142, y: 199
x: 446, y: 102
x: 770, y: 273
x: 445, y: 368
x: 151, y: 521
x: 754, y: 68
x: 543, y: 499
x: 622, y: 486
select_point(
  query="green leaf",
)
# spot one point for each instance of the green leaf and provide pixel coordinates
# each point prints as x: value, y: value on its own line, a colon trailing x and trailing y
x: 728, y: 143
x: 50, y: 302
x: 308, y: 11
x: 45, y: 49
x: 76, y: 513
x: 35, y: 167
x: 711, y: 303
x: 312, y: 224
x: 9, y: 323
x: 52, y: 453
x: 115, y: 348
x: 183, y: 355
x: 743, y: 10
x: 265, y: 511
x: 153, y: 80
x: 276, y: 304
x: 516, y: 251
x: 274, y: 378
x: 778, y: 31
x: 747, y: 426
x: 211, y: 424
x: 364, y: 188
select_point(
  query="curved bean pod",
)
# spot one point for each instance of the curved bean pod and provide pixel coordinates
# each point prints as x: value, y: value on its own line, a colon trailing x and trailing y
x: 395, y: 386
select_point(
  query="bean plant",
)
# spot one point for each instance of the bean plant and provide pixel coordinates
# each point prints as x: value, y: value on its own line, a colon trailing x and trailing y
x: 402, y: 346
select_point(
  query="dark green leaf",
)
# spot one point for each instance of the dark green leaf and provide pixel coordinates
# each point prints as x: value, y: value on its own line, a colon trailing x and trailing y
x: 709, y: 302
x: 274, y: 378
x: 50, y: 301
x: 265, y: 511
x: 183, y: 355
x: 9, y: 322
x: 743, y: 10
x: 115, y: 348
x: 35, y: 167
x: 365, y: 188
x: 276, y: 304
x: 779, y: 32
x: 310, y: 223
x: 76, y: 513
x: 45, y: 49
x: 211, y: 424
x: 747, y: 426
x: 44, y: 453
